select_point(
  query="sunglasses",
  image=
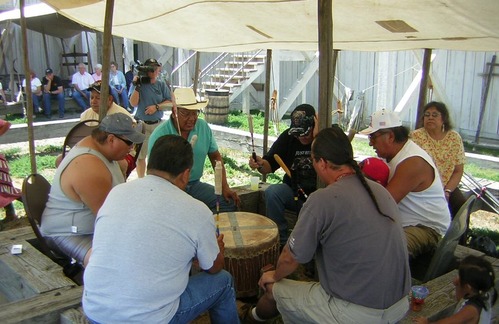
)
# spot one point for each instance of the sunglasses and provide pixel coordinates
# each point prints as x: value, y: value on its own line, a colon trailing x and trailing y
x: 126, y: 141
x: 375, y: 135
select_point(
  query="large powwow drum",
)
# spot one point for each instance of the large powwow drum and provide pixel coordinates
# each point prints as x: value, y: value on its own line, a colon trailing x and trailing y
x: 217, y: 111
x: 251, y: 242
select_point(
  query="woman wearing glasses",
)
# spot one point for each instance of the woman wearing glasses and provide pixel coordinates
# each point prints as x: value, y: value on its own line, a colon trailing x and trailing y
x: 446, y: 148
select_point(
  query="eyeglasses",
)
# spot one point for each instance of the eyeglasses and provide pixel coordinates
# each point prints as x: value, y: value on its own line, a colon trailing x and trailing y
x: 126, y: 141
x: 188, y: 113
x: 375, y: 135
x: 434, y: 115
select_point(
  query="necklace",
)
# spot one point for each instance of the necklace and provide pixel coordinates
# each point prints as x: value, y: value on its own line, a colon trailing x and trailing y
x: 343, y: 175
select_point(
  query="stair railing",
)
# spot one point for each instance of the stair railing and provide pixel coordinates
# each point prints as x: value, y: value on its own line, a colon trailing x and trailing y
x: 183, y: 63
x: 243, y: 65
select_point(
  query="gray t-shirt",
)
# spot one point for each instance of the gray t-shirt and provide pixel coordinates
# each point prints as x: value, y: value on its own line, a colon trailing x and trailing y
x: 147, y: 233
x: 361, y: 255
x: 152, y: 94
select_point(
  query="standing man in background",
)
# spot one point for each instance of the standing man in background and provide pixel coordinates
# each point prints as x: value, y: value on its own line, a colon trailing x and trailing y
x: 52, y: 88
x: 151, y: 96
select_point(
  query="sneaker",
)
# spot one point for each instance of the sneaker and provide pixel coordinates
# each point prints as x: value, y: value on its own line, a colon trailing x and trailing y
x: 61, y: 116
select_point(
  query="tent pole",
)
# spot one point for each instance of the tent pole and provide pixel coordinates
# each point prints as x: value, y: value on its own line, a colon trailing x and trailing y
x: 483, y: 101
x: 326, y: 64
x: 29, y: 99
x: 106, y: 57
x: 65, y: 58
x: 196, y: 73
x: 423, y: 86
x: 47, y: 60
x: 268, y: 70
x: 3, y: 61
x: 89, y: 57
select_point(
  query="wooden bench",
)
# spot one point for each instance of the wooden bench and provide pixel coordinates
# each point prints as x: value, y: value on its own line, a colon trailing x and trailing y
x: 33, y: 288
x: 18, y: 108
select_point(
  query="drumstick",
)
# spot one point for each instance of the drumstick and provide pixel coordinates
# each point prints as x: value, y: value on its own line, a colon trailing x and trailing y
x: 285, y: 168
x: 250, y: 126
x: 218, y: 190
x: 282, y: 165
x: 194, y: 138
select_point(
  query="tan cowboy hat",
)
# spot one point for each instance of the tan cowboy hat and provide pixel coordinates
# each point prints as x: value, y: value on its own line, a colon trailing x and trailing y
x: 185, y: 98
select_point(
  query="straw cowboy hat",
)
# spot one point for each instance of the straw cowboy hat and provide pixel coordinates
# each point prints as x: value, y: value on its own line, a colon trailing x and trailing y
x: 185, y: 98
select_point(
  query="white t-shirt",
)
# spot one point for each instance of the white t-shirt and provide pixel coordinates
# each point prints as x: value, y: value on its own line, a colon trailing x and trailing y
x: 84, y: 81
x: 35, y: 83
x: 147, y: 233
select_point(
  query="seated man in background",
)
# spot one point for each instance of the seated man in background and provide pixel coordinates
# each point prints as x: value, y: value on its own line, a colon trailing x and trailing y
x: 128, y: 164
x: 157, y: 249
x: 82, y: 182
x: 93, y: 111
x: 413, y: 182
x: 352, y: 228
x: 81, y: 81
x: 52, y: 88
x: 293, y: 147
x: 36, y: 91
x: 184, y: 122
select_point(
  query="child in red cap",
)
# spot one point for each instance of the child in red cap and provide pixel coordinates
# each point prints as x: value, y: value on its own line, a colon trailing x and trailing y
x: 376, y: 170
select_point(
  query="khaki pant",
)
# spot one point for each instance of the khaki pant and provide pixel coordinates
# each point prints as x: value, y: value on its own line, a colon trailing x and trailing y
x: 308, y: 302
x: 420, y: 239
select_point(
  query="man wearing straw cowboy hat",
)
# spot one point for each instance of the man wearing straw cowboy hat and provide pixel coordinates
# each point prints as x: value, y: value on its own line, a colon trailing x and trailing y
x: 184, y: 122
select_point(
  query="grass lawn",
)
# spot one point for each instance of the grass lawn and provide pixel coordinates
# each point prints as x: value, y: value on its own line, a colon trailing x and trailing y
x: 236, y: 163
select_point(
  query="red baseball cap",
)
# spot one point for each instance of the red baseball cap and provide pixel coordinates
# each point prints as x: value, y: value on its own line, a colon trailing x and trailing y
x: 376, y: 170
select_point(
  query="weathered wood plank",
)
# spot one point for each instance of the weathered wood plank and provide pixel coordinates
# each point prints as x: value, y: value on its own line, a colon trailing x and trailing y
x: 74, y: 316
x: 441, y: 299
x: 44, y: 308
x: 19, y: 234
x: 28, y: 273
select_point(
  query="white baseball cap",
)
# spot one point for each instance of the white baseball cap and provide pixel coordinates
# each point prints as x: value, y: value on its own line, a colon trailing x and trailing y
x: 382, y: 119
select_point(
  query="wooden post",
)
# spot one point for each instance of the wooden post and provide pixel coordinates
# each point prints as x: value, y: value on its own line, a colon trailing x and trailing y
x: 89, y: 57
x: 47, y: 59
x: 483, y: 102
x: 106, y: 58
x: 65, y: 58
x: 268, y: 70
x: 29, y: 108
x: 326, y: 66
x: 423, y: 86
x: 196, y: 73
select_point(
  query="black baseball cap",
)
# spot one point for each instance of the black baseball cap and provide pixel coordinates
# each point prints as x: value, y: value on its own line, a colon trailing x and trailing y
x: 302, y: 120
x: 152, y: 62
x: 48, y: 71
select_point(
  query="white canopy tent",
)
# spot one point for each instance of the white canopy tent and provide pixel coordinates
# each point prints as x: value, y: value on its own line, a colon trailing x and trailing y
x: 243, y: 25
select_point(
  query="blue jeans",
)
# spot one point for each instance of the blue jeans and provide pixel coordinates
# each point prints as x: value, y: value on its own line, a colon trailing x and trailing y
x: 206, y: 193
x: 116, y: 97
x: 83, y: 102
x: 36, y: 102
x: 47, y: 106
x: 279, y: 197
x: 208, y: 292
